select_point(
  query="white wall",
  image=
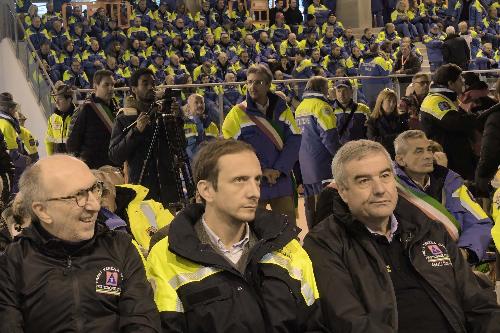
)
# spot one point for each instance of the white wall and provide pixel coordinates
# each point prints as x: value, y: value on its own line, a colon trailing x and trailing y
x: 13, y: 80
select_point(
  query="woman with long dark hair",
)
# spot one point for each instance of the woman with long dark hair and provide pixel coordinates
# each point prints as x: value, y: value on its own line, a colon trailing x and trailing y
x: 385, y: 122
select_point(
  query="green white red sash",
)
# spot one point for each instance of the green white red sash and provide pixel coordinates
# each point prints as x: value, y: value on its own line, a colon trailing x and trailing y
x: 432, y: 208
x: 265, y: 126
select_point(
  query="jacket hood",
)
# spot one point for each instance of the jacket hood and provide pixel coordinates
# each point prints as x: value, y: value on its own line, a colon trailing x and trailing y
x: 132, y: 106
x: 126, y: 194
x: 271, y: 228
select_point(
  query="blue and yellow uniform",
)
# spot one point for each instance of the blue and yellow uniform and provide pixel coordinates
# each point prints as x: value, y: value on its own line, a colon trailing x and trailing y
x: 351, y: 127
x: 320, y: 140
x: 198, y: 130
x: 240, y: 126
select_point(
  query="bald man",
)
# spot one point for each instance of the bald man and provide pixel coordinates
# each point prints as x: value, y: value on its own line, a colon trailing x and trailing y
x: 65, y: 272
x: 198, y: 126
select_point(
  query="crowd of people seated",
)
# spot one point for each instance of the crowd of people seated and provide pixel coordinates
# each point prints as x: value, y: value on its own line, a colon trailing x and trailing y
x: 206, y: 46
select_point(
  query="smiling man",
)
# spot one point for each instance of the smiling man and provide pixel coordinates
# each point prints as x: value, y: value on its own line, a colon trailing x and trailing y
x: 227, y: 266
x: 382, y: 265
x: 65, y: 272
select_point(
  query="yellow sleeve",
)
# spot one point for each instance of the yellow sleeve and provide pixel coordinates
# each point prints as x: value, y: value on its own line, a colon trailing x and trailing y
x: 231, y: 126
x: 9, y: 133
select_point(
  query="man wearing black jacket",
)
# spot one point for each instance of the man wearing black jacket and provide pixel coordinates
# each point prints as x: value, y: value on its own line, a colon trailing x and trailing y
x: 382, y: 265
x: 91, y: 124
x: 65, y: 272
x: 132, y: 143
x: 455, y: 49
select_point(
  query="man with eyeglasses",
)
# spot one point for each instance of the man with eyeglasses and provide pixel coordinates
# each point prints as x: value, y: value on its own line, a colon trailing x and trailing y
x: 415, y: 94
x: 65, y: 272
x: 265, y: 121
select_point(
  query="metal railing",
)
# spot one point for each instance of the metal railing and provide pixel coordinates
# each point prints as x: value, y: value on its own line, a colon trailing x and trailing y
x: 397, y: 87
x: 12, y: 28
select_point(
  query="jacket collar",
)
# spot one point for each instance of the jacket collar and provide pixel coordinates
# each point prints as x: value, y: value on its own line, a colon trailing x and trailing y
x: 272, y: 230
x: 412, y: 222
x: 275, y: 103
x: 439, y: 89
x: 310, y: 95
x: 56, y: 247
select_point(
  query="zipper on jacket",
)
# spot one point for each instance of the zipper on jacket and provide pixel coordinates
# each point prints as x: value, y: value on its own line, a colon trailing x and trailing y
x: 76, y: 293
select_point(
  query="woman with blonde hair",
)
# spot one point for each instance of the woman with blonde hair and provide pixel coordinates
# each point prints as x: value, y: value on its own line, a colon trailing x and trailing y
x: 385, y: 122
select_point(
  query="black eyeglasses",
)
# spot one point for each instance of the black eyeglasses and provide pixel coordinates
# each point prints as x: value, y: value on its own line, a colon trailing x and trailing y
x: 82, y: 197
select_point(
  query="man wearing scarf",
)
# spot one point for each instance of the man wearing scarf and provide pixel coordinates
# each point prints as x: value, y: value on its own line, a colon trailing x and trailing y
x: 266, y: 122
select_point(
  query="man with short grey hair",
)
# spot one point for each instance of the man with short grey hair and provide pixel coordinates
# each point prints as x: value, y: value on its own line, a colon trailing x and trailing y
x: 65, y: 272
x: 382, y: 265
x: 443, y: 193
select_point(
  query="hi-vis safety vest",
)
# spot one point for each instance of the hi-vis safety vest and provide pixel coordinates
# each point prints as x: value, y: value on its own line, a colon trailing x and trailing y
x: 437, y: 105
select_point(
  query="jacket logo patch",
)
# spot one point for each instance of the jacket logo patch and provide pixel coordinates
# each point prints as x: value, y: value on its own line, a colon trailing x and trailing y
x: 443, y: 106
x: 436, y: 254
x: 108, y: 281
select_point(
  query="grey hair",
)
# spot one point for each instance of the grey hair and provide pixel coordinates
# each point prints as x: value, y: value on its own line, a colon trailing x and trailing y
x: 354, y: 150
x: 261, y: 69
x: 401, y: 141
x: 31, y: 188
x: 450, y: 30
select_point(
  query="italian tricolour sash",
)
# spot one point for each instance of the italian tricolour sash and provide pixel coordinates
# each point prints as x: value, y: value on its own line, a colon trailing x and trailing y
x: 432, y: 208
x: 265, y: 126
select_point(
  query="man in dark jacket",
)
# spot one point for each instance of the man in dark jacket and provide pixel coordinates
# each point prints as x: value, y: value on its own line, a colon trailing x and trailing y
x: 446, y: 123
x: 90, y: 127
x: 489, y: 160
x: 382, y: 265
x: 455, y: 49
x: 145, y: 146
x: 65, y: 272
x: 406, y: 63
x: 227, y: 266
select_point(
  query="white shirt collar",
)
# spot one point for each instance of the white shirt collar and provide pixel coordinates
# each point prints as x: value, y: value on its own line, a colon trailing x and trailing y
x: 394, y: 227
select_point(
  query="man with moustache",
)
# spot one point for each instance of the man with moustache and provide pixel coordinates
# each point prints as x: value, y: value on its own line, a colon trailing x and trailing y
x: 382, y: 265
x: 65, y: 272
x: 131, y: 144
x: 227, y: 266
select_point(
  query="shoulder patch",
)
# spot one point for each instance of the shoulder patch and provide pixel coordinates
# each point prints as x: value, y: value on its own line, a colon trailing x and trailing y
x: 327, y: 111
x: 443, y: 106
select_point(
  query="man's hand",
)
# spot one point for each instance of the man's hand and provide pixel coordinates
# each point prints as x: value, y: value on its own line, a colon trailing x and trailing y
x: 441, y: 159
x: 271, y: 175
x: 142, y: 121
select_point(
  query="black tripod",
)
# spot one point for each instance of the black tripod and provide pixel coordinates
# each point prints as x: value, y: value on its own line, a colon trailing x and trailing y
x: 173, y: 127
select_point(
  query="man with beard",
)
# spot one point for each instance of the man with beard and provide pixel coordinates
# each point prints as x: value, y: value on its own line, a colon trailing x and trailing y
x: 147, y: 154
x: 90, y: 127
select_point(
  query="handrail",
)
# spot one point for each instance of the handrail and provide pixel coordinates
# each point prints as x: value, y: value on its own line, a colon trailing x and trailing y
x: 33, y: 50
x: 240, y: 83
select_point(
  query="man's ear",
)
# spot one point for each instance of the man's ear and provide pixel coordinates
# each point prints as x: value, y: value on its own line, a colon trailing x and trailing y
x: 40, y: 210
x: 206, y: 190
x: 342, y: 192
x: 400, y: 160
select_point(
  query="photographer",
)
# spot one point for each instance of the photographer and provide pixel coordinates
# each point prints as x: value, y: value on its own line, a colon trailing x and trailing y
x: 145, y: 146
